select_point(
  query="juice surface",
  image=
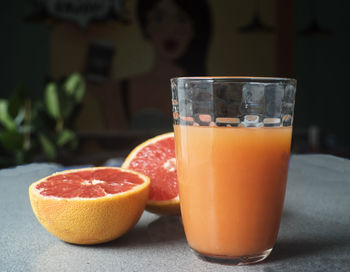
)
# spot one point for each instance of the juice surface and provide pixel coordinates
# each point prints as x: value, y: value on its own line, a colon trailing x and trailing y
x: 232, y: 184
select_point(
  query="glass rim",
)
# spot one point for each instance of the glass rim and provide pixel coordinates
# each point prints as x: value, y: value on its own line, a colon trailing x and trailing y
x: 237, y: 79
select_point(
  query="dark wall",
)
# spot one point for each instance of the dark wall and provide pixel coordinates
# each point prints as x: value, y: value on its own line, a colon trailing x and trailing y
x: 24, y: 49
x: 322, y: 64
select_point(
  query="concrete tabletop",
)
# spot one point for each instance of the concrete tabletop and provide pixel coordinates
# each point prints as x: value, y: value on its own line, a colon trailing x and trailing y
x: 314, y: 233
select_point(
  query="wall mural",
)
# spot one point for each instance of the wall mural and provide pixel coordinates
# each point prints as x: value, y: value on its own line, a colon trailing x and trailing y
x: 81, y: 12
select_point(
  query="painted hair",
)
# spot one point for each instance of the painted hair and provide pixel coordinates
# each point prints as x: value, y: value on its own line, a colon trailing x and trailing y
x: 193, y: 61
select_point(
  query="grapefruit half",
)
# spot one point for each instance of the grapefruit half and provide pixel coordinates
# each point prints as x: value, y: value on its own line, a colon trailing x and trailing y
x: 90, y: 205
x: 155, y: 158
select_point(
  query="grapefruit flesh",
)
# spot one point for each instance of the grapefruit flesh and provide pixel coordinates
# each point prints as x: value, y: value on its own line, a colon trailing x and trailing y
x: 91, y: 205
x: 155, y: 158
x: 88, y: 184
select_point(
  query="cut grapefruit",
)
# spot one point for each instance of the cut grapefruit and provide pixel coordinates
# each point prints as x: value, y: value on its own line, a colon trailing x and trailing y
x: 155, y: 158
x: 90, y: 205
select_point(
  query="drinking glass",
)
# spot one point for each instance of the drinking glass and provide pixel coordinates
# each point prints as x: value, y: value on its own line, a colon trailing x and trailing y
x: 232, y: 139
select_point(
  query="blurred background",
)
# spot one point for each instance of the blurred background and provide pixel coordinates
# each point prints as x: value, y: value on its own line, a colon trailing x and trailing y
x: 85, y: 81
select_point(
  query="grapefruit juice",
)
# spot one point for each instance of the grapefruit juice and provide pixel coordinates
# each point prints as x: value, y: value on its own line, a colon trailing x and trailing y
x: 232, y: 183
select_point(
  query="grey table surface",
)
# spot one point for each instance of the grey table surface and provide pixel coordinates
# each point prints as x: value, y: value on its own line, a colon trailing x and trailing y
x: 314, y: 233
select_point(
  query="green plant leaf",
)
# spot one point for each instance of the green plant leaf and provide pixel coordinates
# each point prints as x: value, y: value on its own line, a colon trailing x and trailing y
x: 24, y: 129
x: 47, y: 146
x: 20, y: 116
x: 11, y: 140
x: 65, y: 136
x: 5, y: 118
x: 16, y: 101
x: 68, y: 107
x: 79, y: 94
x: 74, y: 86
x: 52, y: 100
x: 40, y: 119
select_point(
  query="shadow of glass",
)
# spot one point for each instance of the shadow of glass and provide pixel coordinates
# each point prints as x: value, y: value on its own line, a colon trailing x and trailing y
x: 163, y: 230
x: 287, y: 249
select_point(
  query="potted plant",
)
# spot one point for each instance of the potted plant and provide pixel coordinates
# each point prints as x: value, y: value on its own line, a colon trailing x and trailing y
x: 32, y: 130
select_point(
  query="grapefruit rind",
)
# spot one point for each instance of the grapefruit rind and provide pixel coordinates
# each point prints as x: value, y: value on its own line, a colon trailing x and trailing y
x: 167, y: 207
x: 90, y: 220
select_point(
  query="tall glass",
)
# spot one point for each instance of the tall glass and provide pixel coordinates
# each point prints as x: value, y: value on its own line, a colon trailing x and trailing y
x: 232, y: 138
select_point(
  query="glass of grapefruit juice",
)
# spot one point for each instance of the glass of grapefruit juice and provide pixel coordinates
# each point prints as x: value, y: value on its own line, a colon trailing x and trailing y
x: 232, y: 140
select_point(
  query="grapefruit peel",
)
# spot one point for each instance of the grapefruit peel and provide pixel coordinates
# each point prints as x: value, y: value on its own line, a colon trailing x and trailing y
x: 81, y: 220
